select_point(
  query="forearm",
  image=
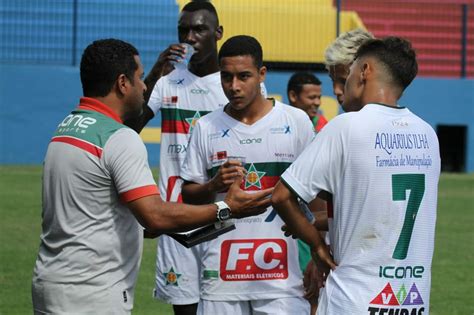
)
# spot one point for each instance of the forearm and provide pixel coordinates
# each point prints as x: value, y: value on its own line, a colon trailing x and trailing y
x: 286, y: 204
x: 321, y: 222
x: 297, y: 222
x: 160, y: 217
x: 319, y: 209
x: 198, y: 194
x: 137, y: 123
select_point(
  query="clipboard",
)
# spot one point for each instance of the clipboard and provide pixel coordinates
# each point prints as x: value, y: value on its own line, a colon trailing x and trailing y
x: 203, y: 234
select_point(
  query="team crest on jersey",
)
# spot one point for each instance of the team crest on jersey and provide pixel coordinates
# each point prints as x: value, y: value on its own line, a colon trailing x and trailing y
x: 400, y: 303
x: 171, y: 277
x: 193, y: 121
x: 253, y: 177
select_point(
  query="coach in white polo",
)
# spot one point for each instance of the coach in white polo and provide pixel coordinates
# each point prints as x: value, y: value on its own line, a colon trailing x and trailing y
x: 98, y: 192
x: 381, y: 164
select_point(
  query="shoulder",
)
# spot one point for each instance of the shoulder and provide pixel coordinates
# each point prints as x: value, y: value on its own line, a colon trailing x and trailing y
x: 126, y: 137
x: 291, y: 111
x: 341, y: 124
x: 213, y: 118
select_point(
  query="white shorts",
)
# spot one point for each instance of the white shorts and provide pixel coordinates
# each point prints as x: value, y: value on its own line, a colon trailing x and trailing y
x: 56, y: 298
x: 177, y: 272
x: 280, y: 306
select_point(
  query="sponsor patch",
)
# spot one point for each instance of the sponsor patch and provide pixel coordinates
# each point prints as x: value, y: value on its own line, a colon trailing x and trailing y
x: 254, y: 260
x: 402, y: 302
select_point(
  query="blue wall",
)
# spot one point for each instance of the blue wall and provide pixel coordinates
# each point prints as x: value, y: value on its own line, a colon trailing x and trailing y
x: 34, y: 99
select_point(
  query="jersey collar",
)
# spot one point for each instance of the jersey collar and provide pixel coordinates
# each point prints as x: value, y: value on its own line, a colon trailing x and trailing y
x: 92, y: 104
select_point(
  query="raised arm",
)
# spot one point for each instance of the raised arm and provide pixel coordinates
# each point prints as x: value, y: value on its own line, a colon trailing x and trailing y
x: 161, y: 68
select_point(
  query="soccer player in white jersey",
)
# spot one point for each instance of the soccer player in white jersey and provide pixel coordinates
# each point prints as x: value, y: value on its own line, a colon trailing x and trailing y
x: 381, y: 163
x: 182, y: 96
x: 254, y: 268
x: 339, y: 57
x: 98, y: 189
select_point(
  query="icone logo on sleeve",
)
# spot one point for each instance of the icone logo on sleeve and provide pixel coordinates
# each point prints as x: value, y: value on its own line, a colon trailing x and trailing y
x: 252, y: 260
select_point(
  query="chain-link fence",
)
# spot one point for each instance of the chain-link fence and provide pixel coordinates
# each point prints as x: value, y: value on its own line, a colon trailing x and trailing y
x: 294, y: 34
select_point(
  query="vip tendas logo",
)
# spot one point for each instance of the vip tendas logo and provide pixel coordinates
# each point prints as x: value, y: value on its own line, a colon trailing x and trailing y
x: 193, y: 121
x: 402, y: 303
x: 253, y: 177
x: 171, y: 277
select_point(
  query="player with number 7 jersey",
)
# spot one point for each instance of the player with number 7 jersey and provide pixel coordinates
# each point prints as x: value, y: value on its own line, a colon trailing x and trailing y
x: 382, y: 165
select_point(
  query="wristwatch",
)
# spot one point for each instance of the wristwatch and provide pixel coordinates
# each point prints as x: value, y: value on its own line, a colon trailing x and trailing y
x: 223, y: 211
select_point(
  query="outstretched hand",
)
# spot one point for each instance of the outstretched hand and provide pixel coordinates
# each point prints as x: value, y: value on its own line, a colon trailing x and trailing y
x: 244, y: 204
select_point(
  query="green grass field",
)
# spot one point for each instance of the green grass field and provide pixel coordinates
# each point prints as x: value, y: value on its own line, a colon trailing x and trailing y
x: 20, y: 226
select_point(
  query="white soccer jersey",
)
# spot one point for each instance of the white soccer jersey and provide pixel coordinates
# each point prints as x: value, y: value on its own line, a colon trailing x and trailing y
x: 91, y: 243
x: 382, y: 166
x: 182, y: 98
x: 255, y: 261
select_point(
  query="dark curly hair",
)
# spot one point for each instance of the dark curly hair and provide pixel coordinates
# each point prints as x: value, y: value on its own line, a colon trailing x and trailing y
x: 101, y: 64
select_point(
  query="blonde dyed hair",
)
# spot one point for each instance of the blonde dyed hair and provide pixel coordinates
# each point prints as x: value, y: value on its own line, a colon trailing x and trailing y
x: 342, y: 51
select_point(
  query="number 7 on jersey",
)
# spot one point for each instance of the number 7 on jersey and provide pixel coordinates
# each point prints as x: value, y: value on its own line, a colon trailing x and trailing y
x: 415, y: 183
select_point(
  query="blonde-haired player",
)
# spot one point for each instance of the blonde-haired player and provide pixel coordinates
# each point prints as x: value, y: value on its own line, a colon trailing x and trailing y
x: 340, y: 55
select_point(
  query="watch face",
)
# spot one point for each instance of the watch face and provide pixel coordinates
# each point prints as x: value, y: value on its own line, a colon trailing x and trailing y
x: 224, y: 214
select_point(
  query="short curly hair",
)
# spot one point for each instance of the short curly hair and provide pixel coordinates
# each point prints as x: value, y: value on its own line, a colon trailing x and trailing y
x: 102, y: 62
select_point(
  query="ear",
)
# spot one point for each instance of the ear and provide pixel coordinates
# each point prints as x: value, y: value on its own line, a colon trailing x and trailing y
x: 219, y: 32
x: 122, y: 84
x: 292, y: 96
x: 366, y: 71
x: 262, y: 73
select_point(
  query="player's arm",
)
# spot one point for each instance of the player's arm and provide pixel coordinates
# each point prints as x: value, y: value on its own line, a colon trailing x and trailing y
x: 156, y: 215
x: 195, y: 193
x: 285, y: 202
x: 319, y: 209
x: 139, y: 122
x: 161, y: 68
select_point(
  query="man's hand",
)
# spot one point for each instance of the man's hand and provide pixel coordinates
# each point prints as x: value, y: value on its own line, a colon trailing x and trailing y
x: 313, y: 280
x: 226, y: 175
x: 287, y: 231
x: 244, y: 204
x: 163, y: 65
x: 322, y: 257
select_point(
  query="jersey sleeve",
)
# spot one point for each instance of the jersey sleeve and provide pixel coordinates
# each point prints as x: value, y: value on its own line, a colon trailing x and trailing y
x: 126, y: 159
x: 155, y: 101
x: 321, y: 164
x: 305, y: 133
x: 194, y: 165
